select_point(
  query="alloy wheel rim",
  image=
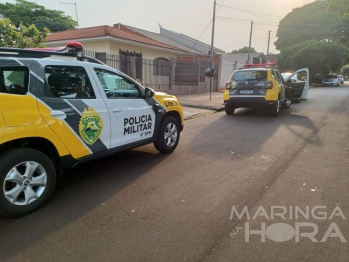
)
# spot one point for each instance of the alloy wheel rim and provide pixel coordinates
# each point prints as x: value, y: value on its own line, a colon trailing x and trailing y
x: 25, y: 183
x: 171, y: 134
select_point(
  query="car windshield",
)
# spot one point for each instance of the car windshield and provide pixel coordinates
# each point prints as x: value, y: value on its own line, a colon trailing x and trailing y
x: 285, y: 75
x: 251, y: 75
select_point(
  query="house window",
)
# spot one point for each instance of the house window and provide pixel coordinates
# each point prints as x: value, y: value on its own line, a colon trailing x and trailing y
x: 161, y: 67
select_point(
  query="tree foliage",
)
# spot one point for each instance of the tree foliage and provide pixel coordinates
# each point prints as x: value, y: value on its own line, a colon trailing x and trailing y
x: 28, y: 13
x: 345, y: 70
x: 312, y: 21
x: 244, y: 50
x: 22, y: 36
x: 315, y: 37
x: 319, y: 57
x: 341, y: 7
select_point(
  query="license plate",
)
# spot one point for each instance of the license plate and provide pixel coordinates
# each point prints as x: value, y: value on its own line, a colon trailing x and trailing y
x: 246, y: 92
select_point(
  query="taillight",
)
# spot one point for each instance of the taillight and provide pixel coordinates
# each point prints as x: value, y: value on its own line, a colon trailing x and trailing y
x: 227, y: 85
x: 269, y: 85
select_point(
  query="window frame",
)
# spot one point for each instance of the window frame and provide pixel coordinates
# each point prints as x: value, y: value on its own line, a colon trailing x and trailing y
x: 139, y: 88
x: 26, y: 79
x: 86, y: 75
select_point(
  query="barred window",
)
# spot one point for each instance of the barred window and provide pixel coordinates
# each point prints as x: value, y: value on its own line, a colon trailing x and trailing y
x: 161, y: 67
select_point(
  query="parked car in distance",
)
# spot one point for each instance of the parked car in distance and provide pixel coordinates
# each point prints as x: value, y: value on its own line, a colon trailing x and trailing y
x: 341, y: 79
x: 330, y: 80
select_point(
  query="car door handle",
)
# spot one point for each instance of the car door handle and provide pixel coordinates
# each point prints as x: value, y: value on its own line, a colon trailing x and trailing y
x: 58, y: 114
x: 116, y: 110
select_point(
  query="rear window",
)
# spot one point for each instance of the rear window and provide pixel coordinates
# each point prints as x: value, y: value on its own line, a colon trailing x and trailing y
x: 14, y: 80
x: 252, y: 75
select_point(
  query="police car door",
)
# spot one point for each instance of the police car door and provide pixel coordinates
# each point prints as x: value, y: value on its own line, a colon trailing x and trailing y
x: 299, y: 81
x: 73, y: 107
x: 279, y: 79
x: 132, y: 118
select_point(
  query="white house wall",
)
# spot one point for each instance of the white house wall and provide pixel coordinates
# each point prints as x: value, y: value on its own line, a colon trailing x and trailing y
x: 148, y: 53
x: 228, y: 66
x: 112, y: 47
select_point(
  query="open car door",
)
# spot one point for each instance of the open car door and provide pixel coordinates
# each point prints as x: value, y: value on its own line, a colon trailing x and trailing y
x: 299, y: 81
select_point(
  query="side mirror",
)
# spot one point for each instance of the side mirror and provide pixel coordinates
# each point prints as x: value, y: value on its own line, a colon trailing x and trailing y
x: 210, y: 72
x: 149, y: 92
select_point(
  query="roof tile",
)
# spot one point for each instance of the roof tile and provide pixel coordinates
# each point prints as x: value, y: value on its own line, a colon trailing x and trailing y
x: 106, y: 30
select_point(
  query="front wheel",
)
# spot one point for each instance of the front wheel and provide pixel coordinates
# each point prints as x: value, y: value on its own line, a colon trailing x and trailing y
x: 275, y: 108
x: 27, y: 179
x: 168, y: 136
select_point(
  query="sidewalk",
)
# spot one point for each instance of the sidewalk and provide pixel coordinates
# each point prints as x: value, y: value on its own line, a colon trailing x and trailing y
x: 203, y: 101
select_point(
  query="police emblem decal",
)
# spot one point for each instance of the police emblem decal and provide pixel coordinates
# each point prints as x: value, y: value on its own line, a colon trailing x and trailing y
x: 90, y: 126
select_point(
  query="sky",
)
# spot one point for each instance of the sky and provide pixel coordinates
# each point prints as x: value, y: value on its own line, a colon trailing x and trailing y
x: 189, y: 17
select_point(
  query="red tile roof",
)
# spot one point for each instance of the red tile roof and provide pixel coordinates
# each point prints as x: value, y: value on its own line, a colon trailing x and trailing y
x: 105, y: 30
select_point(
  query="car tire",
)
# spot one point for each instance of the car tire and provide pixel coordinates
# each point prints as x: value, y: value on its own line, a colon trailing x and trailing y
x: 229, y: 110
x: 286, y: 104
x: 168, y: 136
x: 27, y: 179
x: 275, y: 109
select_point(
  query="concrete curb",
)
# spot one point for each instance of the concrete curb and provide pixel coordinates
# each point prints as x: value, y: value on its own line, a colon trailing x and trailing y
x: 197, y: 116
x: 214, y: 108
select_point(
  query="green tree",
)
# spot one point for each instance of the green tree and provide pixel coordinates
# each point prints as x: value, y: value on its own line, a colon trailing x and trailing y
x: 341, y: 7
x: 345, y: 70
x: 28, y: 13
x: 21, y: 37
x: 319, y: 57
x: 244, y: 50
x: 312, y: 21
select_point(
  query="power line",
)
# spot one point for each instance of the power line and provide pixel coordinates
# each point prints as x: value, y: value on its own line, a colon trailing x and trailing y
x: 200, y: 36
x: 247, y: 43
x: 267, y: 24
x: 239, y: 19
x: 249, y: 11
x: 219, y: 6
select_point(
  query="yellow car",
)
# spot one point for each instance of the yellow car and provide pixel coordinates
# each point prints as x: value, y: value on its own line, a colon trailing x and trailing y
x: 256, y: 85
x: 58, y: 113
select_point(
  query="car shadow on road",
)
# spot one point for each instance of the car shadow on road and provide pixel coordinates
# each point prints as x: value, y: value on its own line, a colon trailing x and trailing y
x: 248, y: 130
x: 78, y: 192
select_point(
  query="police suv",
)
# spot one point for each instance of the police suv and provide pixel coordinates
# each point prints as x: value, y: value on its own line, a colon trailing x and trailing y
x: 262, y: 86
x: 59, y: 108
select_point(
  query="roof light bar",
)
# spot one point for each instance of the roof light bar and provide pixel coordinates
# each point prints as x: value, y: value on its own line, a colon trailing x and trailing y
x: 70, y: 47
x: 261, y: 65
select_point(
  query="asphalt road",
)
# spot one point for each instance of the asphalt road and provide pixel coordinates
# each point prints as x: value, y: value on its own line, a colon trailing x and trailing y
x: 144, y: 206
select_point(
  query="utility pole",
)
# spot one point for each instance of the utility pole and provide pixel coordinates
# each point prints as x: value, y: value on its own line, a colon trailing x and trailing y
x: 212, y: 40
x: 268, y: 46
x: 249, y: 47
